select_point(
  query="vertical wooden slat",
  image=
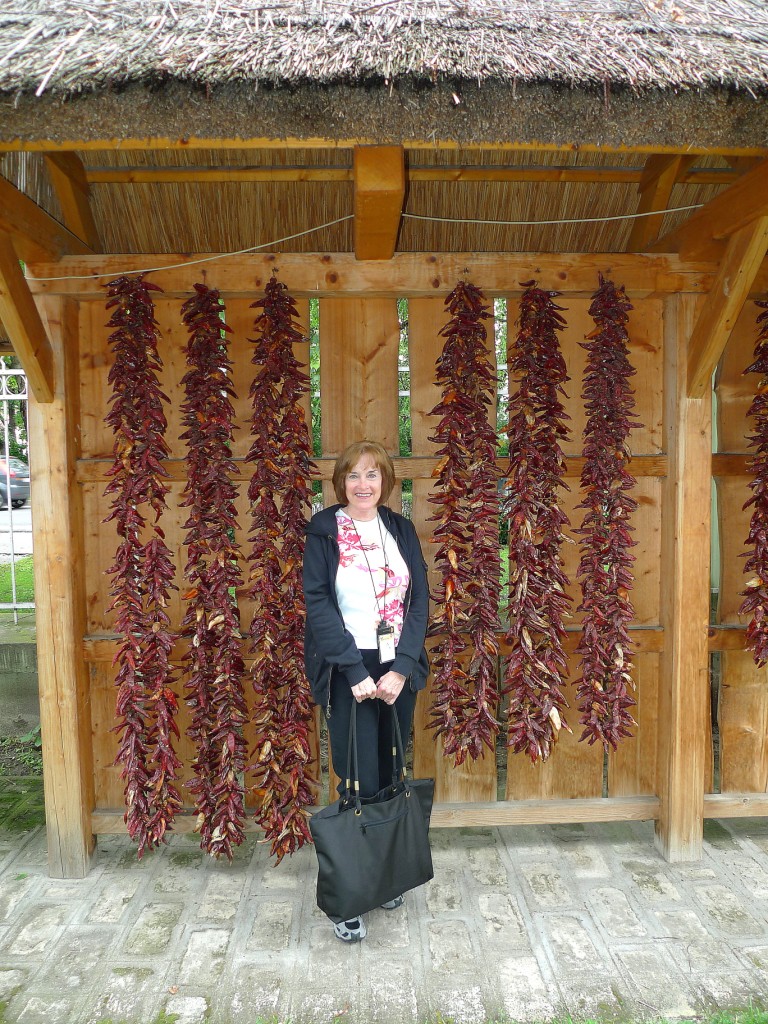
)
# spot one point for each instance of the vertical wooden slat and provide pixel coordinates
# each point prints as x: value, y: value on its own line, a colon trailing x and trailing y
x: 684, y: 695
x: 632, y: 768
x: 426, y: 317
x: 358, y: 379
x: 59, y: 591
x: 743, y: 704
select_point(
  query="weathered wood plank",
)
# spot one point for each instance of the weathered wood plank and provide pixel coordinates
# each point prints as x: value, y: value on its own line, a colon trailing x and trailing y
x: 71, y: 187
x: 743, y: 725
x: 59, y: 591
x: 23, y: 324
x: 659, y: 176
x: 379, y: 177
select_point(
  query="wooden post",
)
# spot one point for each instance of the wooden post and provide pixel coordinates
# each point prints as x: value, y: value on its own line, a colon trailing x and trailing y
x: 684, y: 683
x: 65, y: 718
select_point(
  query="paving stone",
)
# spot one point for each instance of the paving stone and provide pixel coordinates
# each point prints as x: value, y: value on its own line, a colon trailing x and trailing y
x: 547, y: 886
x: 328, y: 955
x: 571, y: 944
x: 444, y: 893
x: 391, y: 992
x: 612, y: 909
x: 13, y: 889
x: 203, y: 961
x: 486, y: 867
x: 755, y: 956
x: 585, y: 861
x: 650, y: 878
x: 591, y: 993
x: 524, y: 992
x: 503, y: 922
x: 187, y: 1009
x: 113, y: 900
x: 181, y: 874
x: 752, y: 875
x: 79, y: 959
x: 46, y: 1010
x: 272, y: 923
x: 450, y: 947
x: 292, y: 872
x: 222, y: 897
x: 154, y: 929
x: 255, y: 993
x: 659, y: 983
x: 703, y: 956
x: 727, y: 911
x: 40, y: 927
x: 735, y: 989
x: 12, y: 980
x: 388, y: 929
x: 123, y: 994
x: 463, y: 1004
x: 681, y: 924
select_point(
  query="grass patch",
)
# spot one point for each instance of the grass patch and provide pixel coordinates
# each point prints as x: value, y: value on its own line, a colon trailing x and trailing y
x: 25, y: 581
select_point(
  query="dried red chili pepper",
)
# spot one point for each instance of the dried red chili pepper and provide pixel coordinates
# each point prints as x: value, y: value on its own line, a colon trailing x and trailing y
x: 755, y: 594
x: 142, y: 573
x: 465, y: 696
x: 280, y: 498
x: 211, y: 622
x: 602, y: 691
x: 536, y: 669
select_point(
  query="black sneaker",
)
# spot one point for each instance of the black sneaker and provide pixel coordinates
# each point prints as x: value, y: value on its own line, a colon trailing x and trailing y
x: 350, y: 931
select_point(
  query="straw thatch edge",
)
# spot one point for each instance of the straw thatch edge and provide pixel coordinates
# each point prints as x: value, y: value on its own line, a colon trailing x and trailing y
x: 466, y: 115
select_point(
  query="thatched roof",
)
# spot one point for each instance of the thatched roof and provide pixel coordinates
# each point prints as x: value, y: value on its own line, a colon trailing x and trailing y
x: 75, y: 46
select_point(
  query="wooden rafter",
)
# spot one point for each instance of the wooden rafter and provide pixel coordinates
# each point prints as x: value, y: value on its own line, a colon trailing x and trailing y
x: 21, y: 320
x: 736, y: 274
x: 659, y: 177
x: 701, y: 237
x: 379, y: 175
x: 36, y: 235
x: 71, y: 186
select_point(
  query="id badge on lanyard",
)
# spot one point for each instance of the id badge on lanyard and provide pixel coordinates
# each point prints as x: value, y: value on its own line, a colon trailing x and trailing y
x: 385, y: 641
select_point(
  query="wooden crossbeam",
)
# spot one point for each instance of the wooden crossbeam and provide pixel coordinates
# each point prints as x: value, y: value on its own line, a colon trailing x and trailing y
x: 701, y: 236
x: 36, y: 235
x: 379, y: 175
x: 330, y: 173
x: 736, y: 274
x: 660, y: 174
x: 71, y: 186
x: 21, y: 319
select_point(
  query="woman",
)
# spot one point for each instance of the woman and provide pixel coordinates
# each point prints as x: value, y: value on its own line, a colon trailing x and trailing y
x: 367, y: 600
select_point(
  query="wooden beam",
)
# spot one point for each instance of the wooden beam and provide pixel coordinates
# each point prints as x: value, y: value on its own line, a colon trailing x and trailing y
x: 193, y: 142
x: 701, y: 236
x: 334, y: 173
x: 684, y: 675
x: 54, y: 432
x: 743, y: 257
x: 379, y: 175
x: 36, y: 235
x: 405, y: 275
x: 21, y: 320
x: 660, y: 174
x: 71, y: 186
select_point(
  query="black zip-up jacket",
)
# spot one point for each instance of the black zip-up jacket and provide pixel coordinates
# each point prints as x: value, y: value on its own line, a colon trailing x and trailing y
x: 327, y: 644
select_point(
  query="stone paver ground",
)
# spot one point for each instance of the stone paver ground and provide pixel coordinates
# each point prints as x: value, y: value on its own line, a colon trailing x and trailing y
x: 518, y: 923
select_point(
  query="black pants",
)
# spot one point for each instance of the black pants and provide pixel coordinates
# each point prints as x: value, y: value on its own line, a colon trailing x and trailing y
x: 374, y: 727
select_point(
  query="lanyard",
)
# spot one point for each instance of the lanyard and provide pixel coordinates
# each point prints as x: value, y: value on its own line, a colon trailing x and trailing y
x: 379, y: 608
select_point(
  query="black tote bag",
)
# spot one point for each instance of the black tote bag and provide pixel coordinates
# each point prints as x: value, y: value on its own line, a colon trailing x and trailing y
x: 372, y: 849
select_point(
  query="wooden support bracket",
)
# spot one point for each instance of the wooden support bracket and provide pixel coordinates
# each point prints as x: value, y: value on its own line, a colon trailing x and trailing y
x: 36, y: 235
x: 71, y: 186
x: 21, y: 320
x: 379, y: 175
x: 702, y: 236
x: 738, y: 269
x: 660, y: 174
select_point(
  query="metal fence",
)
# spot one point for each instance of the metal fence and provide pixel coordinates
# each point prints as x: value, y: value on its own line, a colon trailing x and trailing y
x: 16, y: 578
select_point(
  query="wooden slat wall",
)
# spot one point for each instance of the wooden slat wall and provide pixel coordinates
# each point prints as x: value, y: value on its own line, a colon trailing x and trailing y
x: 743, y: 706
x: 358, y: 351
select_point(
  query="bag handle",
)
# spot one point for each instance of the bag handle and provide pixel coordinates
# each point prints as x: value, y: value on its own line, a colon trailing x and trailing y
x: 352, y: 779
x: 397, y: 748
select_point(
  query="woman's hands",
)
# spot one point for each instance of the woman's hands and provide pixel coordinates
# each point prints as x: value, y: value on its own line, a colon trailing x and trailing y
x: 388, y: 688
x: 360, y: 691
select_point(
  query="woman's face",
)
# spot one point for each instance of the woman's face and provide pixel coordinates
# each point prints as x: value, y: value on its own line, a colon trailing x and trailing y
x: 362, y: 486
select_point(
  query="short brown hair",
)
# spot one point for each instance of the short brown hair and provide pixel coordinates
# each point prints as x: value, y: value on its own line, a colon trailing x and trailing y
x: 350, y: 457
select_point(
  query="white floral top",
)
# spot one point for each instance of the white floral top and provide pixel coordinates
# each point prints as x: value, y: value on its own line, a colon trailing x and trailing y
x: 372, y: 579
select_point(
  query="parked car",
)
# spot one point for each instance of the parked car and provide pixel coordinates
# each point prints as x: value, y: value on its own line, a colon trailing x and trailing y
x: 17, y: 472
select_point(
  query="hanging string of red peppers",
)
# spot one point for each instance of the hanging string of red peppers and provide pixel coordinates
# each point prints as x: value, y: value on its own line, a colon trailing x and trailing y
x: 214, y: 664
x: 465, y: 697
x: 536, y: 669
x: 142, y: 573
x: 280, y: 498
x: 755, y: 594
x: 602, y: 692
